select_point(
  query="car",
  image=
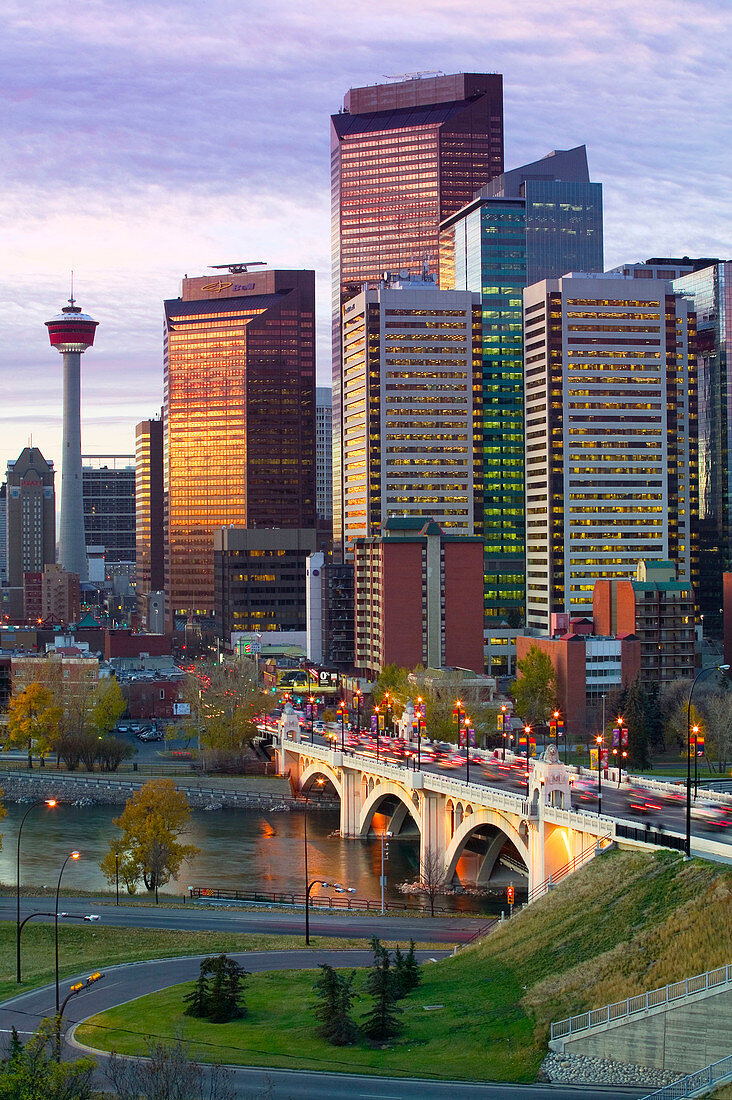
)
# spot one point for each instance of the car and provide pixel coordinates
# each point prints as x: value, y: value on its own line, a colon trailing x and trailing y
x: 91, y: 916
x: 711, y: 815
x: 642, y: 801
x: 123, y: 729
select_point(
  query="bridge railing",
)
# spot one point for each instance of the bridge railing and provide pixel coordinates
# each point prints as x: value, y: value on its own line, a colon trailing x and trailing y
x: 692, y: 1085
x: 642, y: 1002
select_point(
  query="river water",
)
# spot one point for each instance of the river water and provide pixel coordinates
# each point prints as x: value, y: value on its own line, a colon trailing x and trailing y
x: 240, y: 850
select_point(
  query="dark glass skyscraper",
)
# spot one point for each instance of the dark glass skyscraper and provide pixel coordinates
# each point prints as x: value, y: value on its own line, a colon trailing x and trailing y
x: 238, y: 419
x: 532, y: 223
x: 108, y: 483
x: 404, y: 156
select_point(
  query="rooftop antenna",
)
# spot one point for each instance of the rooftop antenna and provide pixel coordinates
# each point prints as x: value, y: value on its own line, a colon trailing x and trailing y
x: 238, y: 268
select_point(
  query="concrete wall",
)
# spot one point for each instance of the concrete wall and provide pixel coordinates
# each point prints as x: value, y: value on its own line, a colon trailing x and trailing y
x: 682, y: 1039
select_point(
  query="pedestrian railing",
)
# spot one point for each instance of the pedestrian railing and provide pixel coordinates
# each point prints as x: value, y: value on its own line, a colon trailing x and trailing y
x: 634, y: 1006
x: 574, y: 865
x: 317, y: 901
x: 699, y: 1083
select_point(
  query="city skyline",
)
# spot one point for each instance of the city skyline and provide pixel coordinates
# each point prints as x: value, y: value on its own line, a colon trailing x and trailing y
x: 173, y: 161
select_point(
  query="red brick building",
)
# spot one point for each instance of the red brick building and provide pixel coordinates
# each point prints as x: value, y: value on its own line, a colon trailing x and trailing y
x: 123, y: 643
x: 419, y: 598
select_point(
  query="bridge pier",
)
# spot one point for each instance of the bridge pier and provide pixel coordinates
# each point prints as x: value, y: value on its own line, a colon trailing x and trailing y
x: 433, y: 837
x: 351, y: 802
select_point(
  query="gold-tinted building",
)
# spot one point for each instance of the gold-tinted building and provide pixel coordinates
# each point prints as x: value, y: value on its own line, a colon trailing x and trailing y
x: 238, y: 419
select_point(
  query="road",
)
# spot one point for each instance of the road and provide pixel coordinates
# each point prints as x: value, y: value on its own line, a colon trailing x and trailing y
x: 124, y: 983
x: 336, y: 923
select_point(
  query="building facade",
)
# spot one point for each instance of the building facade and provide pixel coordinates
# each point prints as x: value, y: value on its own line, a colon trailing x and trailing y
x: 108, y: 484
x: 404, y: 156
x: 238, y: 420
x: 534, y: 222
x: 610, y: 436
x: 417, y: 598
x: 149, y: 514
x: 31, y: 523
x: 260, y: 578
x: 411, y: 401
x: 324, y: 453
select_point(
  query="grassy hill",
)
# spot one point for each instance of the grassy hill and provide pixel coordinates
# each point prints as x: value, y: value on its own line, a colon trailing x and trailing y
x: 625, y: 923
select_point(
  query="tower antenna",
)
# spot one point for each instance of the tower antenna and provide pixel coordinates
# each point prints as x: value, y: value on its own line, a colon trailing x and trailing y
x: 71, y: 299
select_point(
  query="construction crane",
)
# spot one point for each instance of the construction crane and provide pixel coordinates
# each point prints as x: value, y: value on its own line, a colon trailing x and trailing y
x: 238, y: 269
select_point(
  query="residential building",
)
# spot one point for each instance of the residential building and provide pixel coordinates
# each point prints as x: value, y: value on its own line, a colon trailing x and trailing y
x: 610, y: 436
x: 108, y: 483
x: 417, y: 597
x: 72, y: 679
x: 411, y: 397
x: 535, y: 222
x: 659, y: 610
x: 324, y: 453
x: 260, y: 578
x: 52, y: 596
x: 404, y: 155
x: 709, y: 294
x: 149, y: 515
x: 31, y: 523
x: 238, y: 419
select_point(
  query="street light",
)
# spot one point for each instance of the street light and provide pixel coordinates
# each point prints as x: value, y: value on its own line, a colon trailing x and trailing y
x: 458, y: 714
x: 342, y: 712
x: 503, y: 728
x: 466, y: 723
x: 320, y: 783
x: 376, y: 712
x: 358, y: 695
x: 600, y: 742
x: 419, y: 732
x: 527, y: 731
x: 50, y: 802
x: 311, y: 703
x: 71, y: 855
x: 695, y: 731
x: 703, y: 672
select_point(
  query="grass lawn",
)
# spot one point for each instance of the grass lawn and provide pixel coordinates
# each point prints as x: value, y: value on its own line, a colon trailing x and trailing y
x: 480, y: 1033
x: 92, y: 947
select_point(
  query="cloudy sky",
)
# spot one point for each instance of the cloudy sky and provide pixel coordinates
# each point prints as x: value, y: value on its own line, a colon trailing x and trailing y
x: 145, y: 140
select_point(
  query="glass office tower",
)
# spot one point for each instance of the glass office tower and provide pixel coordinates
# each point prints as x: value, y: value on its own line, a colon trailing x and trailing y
x: 536, y: 221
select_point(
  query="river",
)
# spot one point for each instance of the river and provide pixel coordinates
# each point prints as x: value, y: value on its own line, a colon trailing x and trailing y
x: 241, y: 850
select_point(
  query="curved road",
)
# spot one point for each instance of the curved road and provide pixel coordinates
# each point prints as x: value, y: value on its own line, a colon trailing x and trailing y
x: 126, y: 982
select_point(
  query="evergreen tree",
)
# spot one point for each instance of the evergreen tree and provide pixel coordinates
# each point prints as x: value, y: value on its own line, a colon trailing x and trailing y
x: 412, y: 969
x: 636, y: 719
x: 225, y: 1000
x: 400, y: 984
x: 382, y: 1021
x: 15, y: 1050
x: 198, y: 1000
x: 334, y: 1007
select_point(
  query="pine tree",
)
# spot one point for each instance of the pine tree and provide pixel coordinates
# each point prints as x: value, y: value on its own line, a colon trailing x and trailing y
x: 412, y: 969
x: 198, y: 1000
x: 225, y: 999
x: 400, y: 984
x: 382, y: 1021
x: 335, y: 993
x: 15, y: 1050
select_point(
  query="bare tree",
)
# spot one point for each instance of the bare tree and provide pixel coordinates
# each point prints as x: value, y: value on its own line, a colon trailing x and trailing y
x: 717, y: 726
x: 432, y: 876
x: 168, y: 1073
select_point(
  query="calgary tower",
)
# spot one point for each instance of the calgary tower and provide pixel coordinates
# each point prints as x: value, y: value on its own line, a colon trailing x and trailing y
x: 71, y: 332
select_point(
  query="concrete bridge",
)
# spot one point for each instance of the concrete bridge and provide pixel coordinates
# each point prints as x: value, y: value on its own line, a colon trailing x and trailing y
x: 448, y: 813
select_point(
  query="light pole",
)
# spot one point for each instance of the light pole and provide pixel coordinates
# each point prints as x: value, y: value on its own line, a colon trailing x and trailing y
x: 50, y: 802
x: 308, y: 887
x: 466, y: 723
x: 695, y: 731
x: 600, y: 741
x: 311, y: 704
x: 384, y: 857
x: 376, y: 712
x: 387, y: 717
x: 342, y: 712
x: 703, y: 672
x: 503, y: 728
x: 419, y: 733
x: 71, y: 855
x: 527, y: 731
x: 358, y: 695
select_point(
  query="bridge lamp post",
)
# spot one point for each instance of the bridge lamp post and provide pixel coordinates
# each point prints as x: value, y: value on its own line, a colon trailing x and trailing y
x: 358, y: 697
x: 600, y: 742
x: 342, y: 713
x: 50, y: 802
x: 458, y: 714
x: 695, y: 731
x: 703, y: 672
x: 311, y: 704
x: 503, y: 729
x: 419, y: 732
x: 466, y: 724
x: 527, y: 731
x: 387, y: 719
x: 71, y: 855
x: 320, y: 783
x: 376, y: 712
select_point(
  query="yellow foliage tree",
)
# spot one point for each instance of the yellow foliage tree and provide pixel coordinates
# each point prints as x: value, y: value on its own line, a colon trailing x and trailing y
x: 34, y: 720
x: 149, y: 849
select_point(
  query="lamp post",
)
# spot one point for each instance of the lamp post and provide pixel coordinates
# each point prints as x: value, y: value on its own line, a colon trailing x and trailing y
x: 458, y: 714
x: 703, y: 672
x: 342, y: 713
x: 695, y: 731
x: 527, y: 731
x: 311, y: 703
x: 320, y: 783
x: 71, y: 855
x: 358, y: 695
x: 376, y: 712
x: 50, y: 802
x: 419, y: 732
x: 466, y: 723
x: 503, y: 729
x: 387, y: 718
x: 600, y: 741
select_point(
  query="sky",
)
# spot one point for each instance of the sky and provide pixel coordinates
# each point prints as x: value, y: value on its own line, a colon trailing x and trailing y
x: 142, y: 141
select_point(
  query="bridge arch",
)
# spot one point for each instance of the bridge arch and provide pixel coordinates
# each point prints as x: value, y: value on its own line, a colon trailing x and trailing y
x: 471, y: 822
x: 376, y: 795
x: 314, y: 769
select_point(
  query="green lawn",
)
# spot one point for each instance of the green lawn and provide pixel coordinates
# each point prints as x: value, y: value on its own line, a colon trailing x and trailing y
x: 480, y: 1033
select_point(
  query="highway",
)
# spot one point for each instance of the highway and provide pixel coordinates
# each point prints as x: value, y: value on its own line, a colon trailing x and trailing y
x: 124, y: 983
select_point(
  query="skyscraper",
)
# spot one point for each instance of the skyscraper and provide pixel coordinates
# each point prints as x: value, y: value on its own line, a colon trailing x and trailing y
x: 238, y: 419
x: 324, y: 452
x: 709, y: 293
x: 404, y: 156
x: 610, y: 451
x: 537, y: 221
x: 109, y: 505
x: 411, y: 399
x: 149, y: 516
x: 31, y: 523
x: 71, y: 332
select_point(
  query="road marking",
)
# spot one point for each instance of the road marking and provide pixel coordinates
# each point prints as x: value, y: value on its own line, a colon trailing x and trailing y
x: 378, y: 1096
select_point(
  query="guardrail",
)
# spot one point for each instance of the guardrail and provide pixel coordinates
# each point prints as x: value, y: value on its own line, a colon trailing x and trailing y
x: 696, y: 1084
x: 634, y: 1006
x: 647, y: 835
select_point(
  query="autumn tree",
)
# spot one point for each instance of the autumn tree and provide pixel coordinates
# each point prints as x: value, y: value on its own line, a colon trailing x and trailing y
x: 33, y: 721
x: 152, y: 822
x: 108, y: 706
x: 231, y: 699
x: 535, y: 689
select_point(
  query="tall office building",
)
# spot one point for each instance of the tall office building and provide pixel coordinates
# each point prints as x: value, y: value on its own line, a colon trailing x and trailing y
x: 404, y: 156
x: 411, y: 402
x: 324, y: 452
x: 238, y: 419
x: 108, y: 483
x: 610, y: 428
x: 149, y: 516
x: 31, y: 523
x: 709, y: 293
x: 3, y: 534
x: 662, y: 267
x: 535, y: 222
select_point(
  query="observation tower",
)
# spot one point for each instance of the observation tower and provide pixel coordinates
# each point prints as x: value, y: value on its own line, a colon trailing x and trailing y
x: 71, y: 332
